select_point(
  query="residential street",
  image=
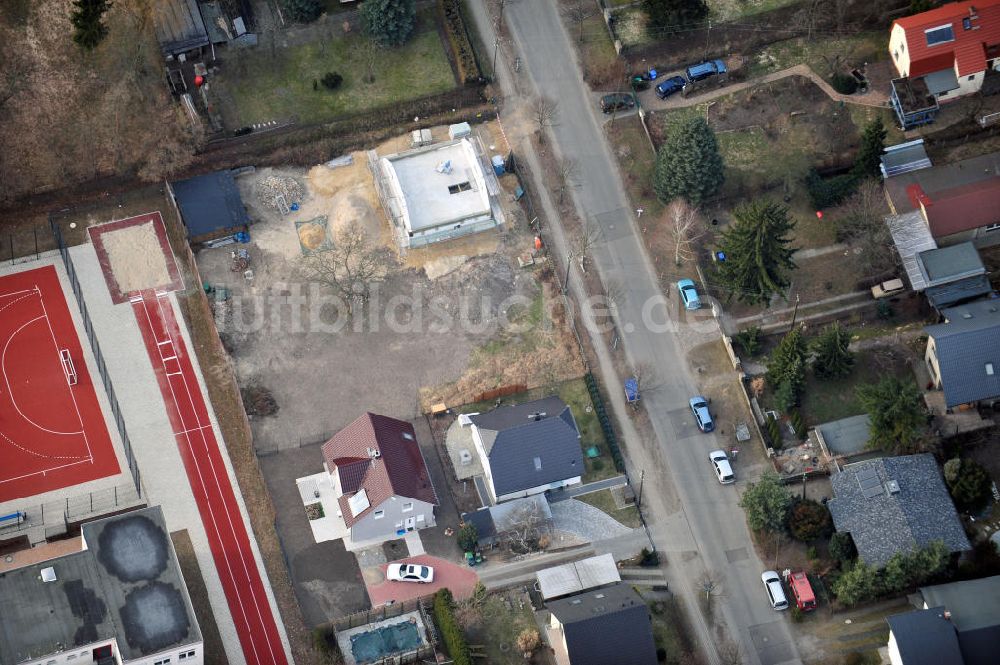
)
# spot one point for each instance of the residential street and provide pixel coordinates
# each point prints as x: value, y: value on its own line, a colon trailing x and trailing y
x: 707, y: 532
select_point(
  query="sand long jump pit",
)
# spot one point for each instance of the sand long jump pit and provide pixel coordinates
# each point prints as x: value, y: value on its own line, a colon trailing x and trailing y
x: 135, y: 255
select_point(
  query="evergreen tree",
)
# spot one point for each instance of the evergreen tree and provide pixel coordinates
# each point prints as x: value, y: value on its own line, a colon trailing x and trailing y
x: 810, y: 520
x: 88, y: 22
x: 766, y: 503
x: 833, y: 358
x: 389, y: 22
x: 842, y: 547
x: 867, y: 163
x: 688, y: 164
x: 968, y: 481
x: 671, y: 15
x: 758, y: 257
x: 897, y: 419
x: 304, y: 11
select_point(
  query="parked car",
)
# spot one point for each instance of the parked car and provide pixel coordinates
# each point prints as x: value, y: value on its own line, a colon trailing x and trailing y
x: 409, y: 572
x: 702, y: 416
x: 723, y: 470
x: 689, y: 294
x: 805, y: 599
x: 775, y: 592
x: 670, y: 86
x: 705, y: 69
x: 617, y: 101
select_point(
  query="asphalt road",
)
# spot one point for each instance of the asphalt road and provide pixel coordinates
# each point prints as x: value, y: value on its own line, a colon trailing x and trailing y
x: 710, y: 523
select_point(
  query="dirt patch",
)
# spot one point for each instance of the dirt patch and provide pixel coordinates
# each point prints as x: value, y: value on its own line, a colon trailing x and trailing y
x: 215, y: 653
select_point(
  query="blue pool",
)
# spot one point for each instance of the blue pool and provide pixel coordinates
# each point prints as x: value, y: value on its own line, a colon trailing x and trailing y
x: 385, y: 641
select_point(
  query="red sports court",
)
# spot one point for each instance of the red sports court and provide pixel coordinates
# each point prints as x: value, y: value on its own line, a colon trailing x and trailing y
x: 52, y: 431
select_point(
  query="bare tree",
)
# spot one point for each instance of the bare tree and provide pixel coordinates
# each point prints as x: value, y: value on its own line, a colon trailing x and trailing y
x: 351, y: 267
x: 588, y: 238
x: 686, y: 226
x: 567, y: 177
x: 863, y: 226
x: 645, y: 375
x: 545, y: 112
x: 577, y: 12
x: 523, y: 528
x: 615, y: 291
x: 730, y: 653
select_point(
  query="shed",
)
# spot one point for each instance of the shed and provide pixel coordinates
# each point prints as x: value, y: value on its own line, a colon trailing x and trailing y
x: 903, y: 158
x: 577, y: 576
x: 847, y: 436
x: 210, y: 206
x: 953, y: 274
x: 179, y: 26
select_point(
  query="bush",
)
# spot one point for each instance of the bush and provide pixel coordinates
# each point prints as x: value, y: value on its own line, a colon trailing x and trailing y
x: 810, y: 520
x: 649, y: 558
x: 468, y: 538
x: 798, y: 424
x: 331, y: 80
x: 388, y: 22
x: 968, y: 482
x: 304, y: 11
x: 749, y: 340
x: 773, y: 430
x: 845, y: 84
x: 451, y: 632
x: 325, y: 642
x: 458, y: 40
x: 812, y: 553
x: 842, y: 547
x: 827, y: 192
x: 797, y: 614
x: 661, y: 655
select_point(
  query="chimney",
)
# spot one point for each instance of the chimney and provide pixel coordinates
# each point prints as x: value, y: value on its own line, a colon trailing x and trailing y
x: 947, y: 615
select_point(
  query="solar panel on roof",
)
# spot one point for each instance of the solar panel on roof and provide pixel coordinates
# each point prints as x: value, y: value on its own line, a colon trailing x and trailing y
x: 867, y: 472
x: 872, y: 492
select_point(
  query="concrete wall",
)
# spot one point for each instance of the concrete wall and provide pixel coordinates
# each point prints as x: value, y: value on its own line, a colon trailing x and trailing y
x: 395, y: 510
x: 930, y: 357
x: 897, y: 50
x: 539, y: 489
x: 190, y: 654
x: 485, y: 459
x: 894, y: 657
x: 452, y: 230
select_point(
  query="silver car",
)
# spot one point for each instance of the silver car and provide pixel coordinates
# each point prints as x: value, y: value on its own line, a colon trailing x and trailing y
x: 723, y: 470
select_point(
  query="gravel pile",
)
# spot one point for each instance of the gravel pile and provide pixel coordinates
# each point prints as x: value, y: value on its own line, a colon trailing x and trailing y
x: 270, y: 188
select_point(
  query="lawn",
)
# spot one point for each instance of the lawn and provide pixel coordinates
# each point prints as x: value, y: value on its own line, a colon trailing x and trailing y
x: 636, y: 158
x: 492, y: 625
x: 575, y: 394
x: 601, y: 66
x: 818, y: 53
x: 274, y: 83
x: 670, y: 630
x: 603, y: 500
x: 727, y: 10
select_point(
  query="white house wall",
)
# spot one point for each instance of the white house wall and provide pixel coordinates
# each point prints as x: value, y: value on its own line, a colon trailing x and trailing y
x: 193, y: 655
x: 371, y: 527
x: 485, y: 459
x: 898, y: 51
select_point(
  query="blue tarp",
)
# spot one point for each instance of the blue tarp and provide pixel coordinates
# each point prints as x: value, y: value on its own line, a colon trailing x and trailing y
x: 631, y: 390
x: 210, y: 205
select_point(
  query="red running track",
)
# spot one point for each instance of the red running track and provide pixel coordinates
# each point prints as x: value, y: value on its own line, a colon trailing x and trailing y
x: 213, y: 491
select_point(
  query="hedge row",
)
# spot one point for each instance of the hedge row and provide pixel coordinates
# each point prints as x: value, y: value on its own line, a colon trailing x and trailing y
x: 451, y: 632
x: 602, y: 417
x: 458, y: 40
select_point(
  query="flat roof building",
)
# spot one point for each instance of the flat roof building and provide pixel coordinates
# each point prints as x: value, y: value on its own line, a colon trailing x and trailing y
x: 121, y: 599
x: 437, y: 192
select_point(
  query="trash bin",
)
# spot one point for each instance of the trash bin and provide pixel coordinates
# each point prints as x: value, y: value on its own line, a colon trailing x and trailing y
x: 498, y: 167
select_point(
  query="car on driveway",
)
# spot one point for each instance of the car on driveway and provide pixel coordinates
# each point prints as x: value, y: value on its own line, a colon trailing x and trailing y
x: 618, y: 101
x: 409, y: 572
x: 702, y: 416
x: 705, y: 69
x: 723, y: 470
x: 670, y: 86
x: 775, y: 592
x: 689, y: 294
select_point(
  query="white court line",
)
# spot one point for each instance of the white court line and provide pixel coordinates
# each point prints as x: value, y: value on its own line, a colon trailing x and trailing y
x: 194, y: 429
x: 44, y: 471
x: 243, y: 552
x: 16, y: 293
x: 215, y: 475
x: 208, y: 504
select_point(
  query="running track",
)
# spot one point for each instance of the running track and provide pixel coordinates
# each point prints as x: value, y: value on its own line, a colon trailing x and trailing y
x: 213, y: 491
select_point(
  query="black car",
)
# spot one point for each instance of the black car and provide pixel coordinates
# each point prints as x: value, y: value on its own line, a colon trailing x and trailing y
x: 616, y: 102
x: 670, y: 86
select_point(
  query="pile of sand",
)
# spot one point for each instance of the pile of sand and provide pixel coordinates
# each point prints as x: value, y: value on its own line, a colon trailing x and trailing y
x: 136, y: 257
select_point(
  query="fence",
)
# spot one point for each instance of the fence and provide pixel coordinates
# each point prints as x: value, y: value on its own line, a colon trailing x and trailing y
x: 102, y: 368
x: 55, y: 516
x: 423, y: 653
x: 21, y: 245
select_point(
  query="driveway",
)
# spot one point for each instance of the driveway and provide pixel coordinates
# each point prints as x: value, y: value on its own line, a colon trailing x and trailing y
x: 709, y: 533
x: 459, y: 578
x: 325, y: 576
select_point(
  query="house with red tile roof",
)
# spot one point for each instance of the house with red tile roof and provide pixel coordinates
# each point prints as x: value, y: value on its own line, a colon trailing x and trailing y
x: 380, y: 479
x: 941, y: 55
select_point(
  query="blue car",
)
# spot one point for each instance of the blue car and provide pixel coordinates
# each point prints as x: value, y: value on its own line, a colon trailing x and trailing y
x: 702, y: 416
x: 689, y: 294
x: 705, y: 69
x: 670, y: 86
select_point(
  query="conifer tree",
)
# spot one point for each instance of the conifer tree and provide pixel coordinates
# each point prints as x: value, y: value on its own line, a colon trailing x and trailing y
x: 758, y: 257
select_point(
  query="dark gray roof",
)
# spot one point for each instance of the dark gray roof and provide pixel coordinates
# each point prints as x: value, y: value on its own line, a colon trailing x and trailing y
x: 847, y: 436
x: 486, y: 531
x: 975, y: 612
x: 947, y: 295
x: 126, y: 585
x: 210, y: 203
x: 925, y: 637
x: 606, y: 625
x: 884, y: 523
x: 179, y: 26
x: 967, y: 347
x: 946, y: 264
x: 527, y: 449
x: 905, y: 157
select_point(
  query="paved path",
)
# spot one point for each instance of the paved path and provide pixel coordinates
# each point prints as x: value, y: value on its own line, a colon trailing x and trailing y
x: 460, y: 579
x: 561, y: 495
x: 871, y: 98
x: 711, y: 523
x: 812, y: 253
x: 584, y: 520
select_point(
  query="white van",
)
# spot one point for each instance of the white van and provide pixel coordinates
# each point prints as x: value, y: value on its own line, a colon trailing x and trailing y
x: 775, y: 592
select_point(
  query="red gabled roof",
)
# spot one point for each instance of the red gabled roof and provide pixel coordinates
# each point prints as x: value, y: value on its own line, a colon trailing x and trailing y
x: 963, y: 208
x: 399, y: 469
x: 968, y: 48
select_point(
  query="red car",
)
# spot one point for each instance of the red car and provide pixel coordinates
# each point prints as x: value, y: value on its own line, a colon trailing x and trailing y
x: 805, y: 599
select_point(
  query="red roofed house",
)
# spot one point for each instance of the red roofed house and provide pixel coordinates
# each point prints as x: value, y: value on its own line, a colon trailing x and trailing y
x: 381, y: 481
x: 967, y: 212
x: 943, y: 54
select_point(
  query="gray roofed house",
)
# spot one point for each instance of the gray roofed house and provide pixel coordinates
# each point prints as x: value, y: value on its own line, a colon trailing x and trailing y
x: 528, y: 448
x: 903, y: 158
x: 895, y: 505
x: 576, y: 576
x: 973, y: 607
x: 602, y: 626
x: 963, y: 354
x: 179, y: 26
x: 123, y: 593
x: 953, y: 274
x: 923, y: 637
x: 211, y: 206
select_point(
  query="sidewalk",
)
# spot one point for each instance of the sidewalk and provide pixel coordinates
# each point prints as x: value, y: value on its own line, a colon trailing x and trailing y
x: 577, y: 490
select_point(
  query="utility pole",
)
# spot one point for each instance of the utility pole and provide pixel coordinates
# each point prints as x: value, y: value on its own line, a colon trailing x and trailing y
x: 496, y: 41
x: 708, y: 37
x: 795, y: 312
x: 642, y: 478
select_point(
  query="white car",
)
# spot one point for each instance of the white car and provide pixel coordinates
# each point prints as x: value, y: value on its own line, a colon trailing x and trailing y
x: 775, y: 592
x: 409, y: 572
x: 723, y: 470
